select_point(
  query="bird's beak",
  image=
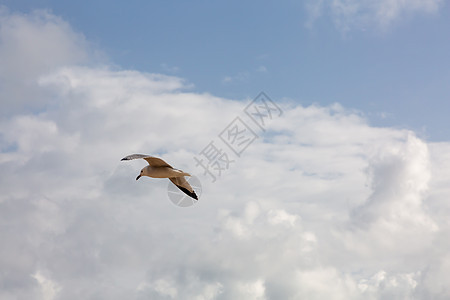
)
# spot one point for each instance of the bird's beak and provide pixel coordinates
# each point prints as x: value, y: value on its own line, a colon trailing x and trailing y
x: 139, y: 176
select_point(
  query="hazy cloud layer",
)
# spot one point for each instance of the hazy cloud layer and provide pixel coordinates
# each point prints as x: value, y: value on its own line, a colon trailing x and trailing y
x: 321, y: 206
x: 366, y: 14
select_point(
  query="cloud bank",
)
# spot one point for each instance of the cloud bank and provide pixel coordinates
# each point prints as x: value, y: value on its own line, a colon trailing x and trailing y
x: 320, y: 206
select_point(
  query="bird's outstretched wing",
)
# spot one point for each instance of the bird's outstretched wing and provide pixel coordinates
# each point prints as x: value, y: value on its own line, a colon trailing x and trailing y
x: 152, y: 161
x: 183, y: 185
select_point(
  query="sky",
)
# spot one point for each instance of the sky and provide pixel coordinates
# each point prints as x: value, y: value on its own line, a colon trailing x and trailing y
x: 388, y: 59
x: 337, y: 189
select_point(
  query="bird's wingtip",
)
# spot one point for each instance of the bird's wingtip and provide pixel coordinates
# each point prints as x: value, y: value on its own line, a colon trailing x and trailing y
x: 187, y: 192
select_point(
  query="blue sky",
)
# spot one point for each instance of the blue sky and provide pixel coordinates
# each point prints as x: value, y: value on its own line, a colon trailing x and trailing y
x: 397, y: 74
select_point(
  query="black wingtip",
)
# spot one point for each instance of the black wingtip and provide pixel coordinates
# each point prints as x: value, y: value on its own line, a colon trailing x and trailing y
x: 187, y: 192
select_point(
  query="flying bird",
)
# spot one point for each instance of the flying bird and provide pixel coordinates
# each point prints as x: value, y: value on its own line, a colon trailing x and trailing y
x: 158, y: 168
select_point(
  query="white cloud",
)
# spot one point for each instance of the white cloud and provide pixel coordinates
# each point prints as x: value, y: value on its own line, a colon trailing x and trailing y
x: 49, y: 288
x: 239, y: 77
x: 252, y: 290
x: 32, y: 45
x: 282, y: 217
x: 170, y: 69
x: 382, y: 286
x: 322, y: 205
x: 324, y: 283
x: 361, y: 14
x: 400, y: 175
x: 165, y: 288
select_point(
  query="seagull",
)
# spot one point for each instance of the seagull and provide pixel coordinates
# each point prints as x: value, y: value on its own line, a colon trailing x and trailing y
x: 158, y: 168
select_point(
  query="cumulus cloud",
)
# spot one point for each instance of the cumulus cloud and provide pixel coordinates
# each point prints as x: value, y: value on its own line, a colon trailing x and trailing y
x: 30, y: 46
x: 321, y: 205
x: 359, y: 15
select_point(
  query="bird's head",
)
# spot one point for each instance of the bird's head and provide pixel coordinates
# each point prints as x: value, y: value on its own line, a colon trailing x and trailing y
x: 140, y: 174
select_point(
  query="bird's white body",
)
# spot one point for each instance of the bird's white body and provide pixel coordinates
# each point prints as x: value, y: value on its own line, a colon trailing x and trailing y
x: 162, y: 172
